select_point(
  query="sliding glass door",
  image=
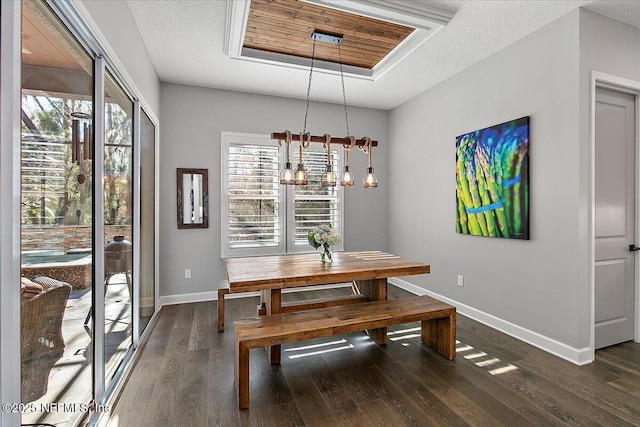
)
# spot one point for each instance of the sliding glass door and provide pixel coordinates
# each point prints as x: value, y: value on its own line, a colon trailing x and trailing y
x: 56, y: 216
x: 88, y: 206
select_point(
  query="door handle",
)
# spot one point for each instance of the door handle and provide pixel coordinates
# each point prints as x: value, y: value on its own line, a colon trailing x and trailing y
x: 633, y: 248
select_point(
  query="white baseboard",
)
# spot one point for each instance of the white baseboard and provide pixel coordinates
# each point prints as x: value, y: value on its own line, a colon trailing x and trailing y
x: 213, y: 295
x: 579, y: 356
x: 188, y: 298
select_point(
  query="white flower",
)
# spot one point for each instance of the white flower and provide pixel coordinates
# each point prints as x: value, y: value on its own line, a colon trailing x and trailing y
x: 324, y: 235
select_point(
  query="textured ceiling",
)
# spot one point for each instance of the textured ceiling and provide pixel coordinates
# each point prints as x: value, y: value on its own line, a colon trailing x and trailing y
x: 185, y: 40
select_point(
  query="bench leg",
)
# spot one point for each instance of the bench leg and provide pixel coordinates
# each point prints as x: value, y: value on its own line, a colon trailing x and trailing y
x: 273, y: 304
x: 221, y: 293
x: 375, y: 290
x: 440, y: 335
x: 242, y: 374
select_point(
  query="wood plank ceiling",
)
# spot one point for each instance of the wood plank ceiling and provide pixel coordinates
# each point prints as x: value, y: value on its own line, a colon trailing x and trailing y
x: 285, y: 27
x: 53, y: 61
x: 44, y: 44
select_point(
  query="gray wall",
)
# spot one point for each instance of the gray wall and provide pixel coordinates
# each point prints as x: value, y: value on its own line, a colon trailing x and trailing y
x: 116, y: 23
x: 532, y: 284
x: 190, y: 124
x: 542, y: 285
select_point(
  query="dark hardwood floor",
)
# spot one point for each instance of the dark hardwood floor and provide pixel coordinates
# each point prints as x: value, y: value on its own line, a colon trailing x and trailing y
x: 184, y: 377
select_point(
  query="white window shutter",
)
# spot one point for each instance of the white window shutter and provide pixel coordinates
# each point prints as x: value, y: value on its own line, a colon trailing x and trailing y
x: 259, y: 216
x: 313, y: 204
x: 252, y: 205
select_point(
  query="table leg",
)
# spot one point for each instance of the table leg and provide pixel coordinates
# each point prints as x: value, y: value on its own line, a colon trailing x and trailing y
x: 221, y: 293
x: 261, y: 308
x: 273, y: 302
x: 375, y: 290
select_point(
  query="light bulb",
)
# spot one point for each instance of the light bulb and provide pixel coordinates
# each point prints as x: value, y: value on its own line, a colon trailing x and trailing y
x: 370, y: 179
x: 287, y: 176
x: 347, y: 177
x: 329, y: 177
x: 301, y: 175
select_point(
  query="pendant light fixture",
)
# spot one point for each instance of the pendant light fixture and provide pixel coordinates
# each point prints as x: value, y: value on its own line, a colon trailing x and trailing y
x: 287, y: 175
x: 301, y: 177
x: 329, y: 177
x: 347, y: 176
x: 370, y: 179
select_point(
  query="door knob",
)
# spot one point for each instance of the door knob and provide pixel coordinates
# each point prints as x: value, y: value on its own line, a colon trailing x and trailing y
x: 633, y: 248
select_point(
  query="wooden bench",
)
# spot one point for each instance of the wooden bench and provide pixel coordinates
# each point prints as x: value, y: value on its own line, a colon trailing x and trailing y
x: 293, y: 305
x: 438, y: 328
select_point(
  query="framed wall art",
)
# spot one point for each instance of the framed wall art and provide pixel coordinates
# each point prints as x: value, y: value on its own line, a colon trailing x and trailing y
x: 492, y: 181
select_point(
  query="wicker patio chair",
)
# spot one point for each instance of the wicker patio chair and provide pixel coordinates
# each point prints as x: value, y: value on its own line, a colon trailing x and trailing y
x: 42, y: 341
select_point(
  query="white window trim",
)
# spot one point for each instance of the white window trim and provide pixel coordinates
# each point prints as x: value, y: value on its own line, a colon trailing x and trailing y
x: 286, y: 204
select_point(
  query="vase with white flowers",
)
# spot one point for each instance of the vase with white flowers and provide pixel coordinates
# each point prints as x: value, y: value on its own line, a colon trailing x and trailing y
x: 326, y: 236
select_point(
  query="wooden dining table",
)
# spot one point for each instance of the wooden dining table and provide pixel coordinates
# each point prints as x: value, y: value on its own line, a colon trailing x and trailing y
x: 367, y: 271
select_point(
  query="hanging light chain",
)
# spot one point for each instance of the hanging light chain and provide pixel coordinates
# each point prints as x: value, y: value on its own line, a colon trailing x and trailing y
x: 329, y: 178
x: 344, y: 93
x: 306, y: 113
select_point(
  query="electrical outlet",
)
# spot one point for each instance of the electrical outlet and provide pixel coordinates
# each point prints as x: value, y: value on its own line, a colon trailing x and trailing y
x: 187, y: 273
x: 460, y: 280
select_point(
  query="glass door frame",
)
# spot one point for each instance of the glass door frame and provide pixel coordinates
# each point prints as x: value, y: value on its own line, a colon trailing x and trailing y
x: 99, y: 74
x: 10, y: 97
x: 80, y: 24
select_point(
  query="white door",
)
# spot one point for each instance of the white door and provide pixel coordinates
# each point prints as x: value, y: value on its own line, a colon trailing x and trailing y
x: 614, y: 217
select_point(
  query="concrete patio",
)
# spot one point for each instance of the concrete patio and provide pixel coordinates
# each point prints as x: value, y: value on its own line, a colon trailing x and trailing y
x: 70, y: 380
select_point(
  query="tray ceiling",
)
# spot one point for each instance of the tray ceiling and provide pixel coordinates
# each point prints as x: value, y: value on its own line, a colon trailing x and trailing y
x: 285, y: 27
x: 377, y: 34
x: 190, y: 43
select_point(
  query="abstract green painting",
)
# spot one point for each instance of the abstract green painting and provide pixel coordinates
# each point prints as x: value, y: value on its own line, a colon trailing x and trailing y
x: 492, y: 181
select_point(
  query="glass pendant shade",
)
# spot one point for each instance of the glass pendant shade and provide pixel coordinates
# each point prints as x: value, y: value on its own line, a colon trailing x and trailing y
x: 287, y: 176
x: 329, y: 177
x: 301, y: 175
x: 347, y: 177
x: 370, y: 179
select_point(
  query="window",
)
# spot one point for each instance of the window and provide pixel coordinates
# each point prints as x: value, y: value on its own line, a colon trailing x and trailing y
x: 259, y: 215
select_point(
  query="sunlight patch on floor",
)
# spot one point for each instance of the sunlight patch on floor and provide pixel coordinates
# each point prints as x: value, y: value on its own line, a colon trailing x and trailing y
x: 404, y: 331
x: 475, y: 355
x: 502, y: 370
x: 487, y: 362
x: 404, y: 337
x: 324, y: 344
x: 317, y: 352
